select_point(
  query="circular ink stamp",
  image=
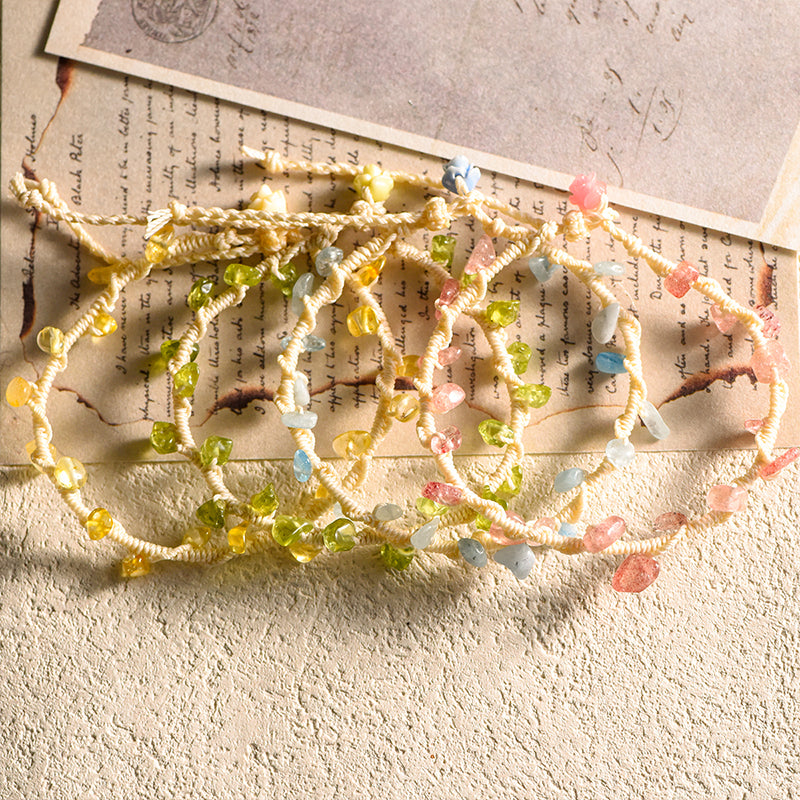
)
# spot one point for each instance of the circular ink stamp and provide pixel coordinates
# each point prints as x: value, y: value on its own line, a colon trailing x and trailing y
x: 173, y: 21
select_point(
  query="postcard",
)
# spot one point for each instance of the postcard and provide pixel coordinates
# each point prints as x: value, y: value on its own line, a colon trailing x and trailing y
x: 686, y: 109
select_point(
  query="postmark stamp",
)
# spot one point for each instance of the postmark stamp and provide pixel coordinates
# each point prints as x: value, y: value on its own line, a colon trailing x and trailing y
x: 173, y: 21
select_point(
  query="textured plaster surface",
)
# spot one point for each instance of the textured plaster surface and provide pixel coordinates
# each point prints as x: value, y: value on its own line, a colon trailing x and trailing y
x: 337, y: 679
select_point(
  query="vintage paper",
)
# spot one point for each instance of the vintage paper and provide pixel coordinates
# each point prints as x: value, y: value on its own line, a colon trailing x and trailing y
x: 689, y: 109
x: 120, y: 144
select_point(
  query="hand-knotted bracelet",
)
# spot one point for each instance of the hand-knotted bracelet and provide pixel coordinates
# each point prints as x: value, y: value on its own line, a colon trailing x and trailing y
x: 472, y: 523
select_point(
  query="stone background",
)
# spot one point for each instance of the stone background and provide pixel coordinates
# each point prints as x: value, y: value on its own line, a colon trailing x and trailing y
x: 262, y: 678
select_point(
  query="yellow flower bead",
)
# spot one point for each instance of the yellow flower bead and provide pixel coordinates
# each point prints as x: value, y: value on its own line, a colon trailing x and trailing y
x: 267, y: 200
x: 18, y: 392
x: 374, y: 179
x: 99, y: 524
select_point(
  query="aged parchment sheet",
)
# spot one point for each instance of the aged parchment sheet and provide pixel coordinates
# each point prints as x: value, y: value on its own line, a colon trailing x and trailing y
x: 116, y: 143
x: 689, y: 109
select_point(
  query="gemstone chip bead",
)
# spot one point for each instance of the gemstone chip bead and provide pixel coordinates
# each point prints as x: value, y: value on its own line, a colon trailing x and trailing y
x: 386, y: 512
x: 423, y: 536
x: 135, y: 566
x: 443, y: 493
x: 533, y: 395
x: 51, y: 340
x: 302, y: 466
x: 18, y: 392
x: 635, y: 573
x: 541, y: 268
x: 442, y: 249
x: 215, y: 450
x: 653, y: 421
x: 327, y: 259
x: 339, y: 535
x: 164, y: 438
x: 482, y: 255
x: 602, y: 535
x: 729, y: 499
x: 403, y: 407
x: 352, y: 444
x: 185, y: 379
x: 200, y: 293
x: 605, y: 323
x: 610, y: 363
x: 568, y: 479
x: 362, y: 321
x: 620, y: 452
x: 69, y: 473
x: 502, y: 312
x: 473, y: 552
x: 265, y: 501
x: 212, y: 513
x: 519, y: 558
x: 680, y: 280
x: 768, y: 358
x: 287, y: 530
x: 770, y: 471
x: 99, y: 523
x: 241, y: 275
x: 446, y: 397
x: 496, y: 433
x: 446, y: 440
x: 520, y: 356
x: 237, y: 539
x: 398, y: 558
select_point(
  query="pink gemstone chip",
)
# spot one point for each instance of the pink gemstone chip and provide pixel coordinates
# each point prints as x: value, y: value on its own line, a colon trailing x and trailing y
x: 772, y: 325
x: 444, y: 493
x: 771, y: 470
x: 498, y: 534
x: 450, y: 290
x: 753, y: 425
x: 446, y: 440
x: 635, y: 573
x: 724, y: 320
x: 587, y: 192
x: 765, y: 359
x: 483, y: 255
x: 446, y: 397
x: 449, y: 355
x: 669, y: 522
x: 727, y: 498
x: 680, y: 280
x: 604, y: 534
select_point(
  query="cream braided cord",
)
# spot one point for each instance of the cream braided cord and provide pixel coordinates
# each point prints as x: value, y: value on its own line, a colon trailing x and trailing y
x: 267, y: 231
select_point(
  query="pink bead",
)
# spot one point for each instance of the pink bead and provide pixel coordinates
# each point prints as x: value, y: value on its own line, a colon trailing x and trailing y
x: 482, y: 256
x: 669, y: 522
x: 449, y: 355
x: 444, y: 493
x: 446, y: 397
x: 445, y: 441
x: 450, y: 290
x: 768, y: 358
x: 680, y: 280
x: 605, y: 533
x: 727, y: 498
x: 724, y: 320
x: 772, y: 325
x: 771, y: 470
x: 635, y: 573
x: 587, y: 192
x: 753, y: 425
